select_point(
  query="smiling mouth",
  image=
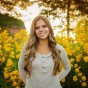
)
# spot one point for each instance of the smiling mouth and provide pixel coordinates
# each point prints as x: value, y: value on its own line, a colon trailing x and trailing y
x: 42, y: 34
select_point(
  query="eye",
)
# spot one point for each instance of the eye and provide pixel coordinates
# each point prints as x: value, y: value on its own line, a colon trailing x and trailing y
x: 36, y: 28
x: 44, y: 26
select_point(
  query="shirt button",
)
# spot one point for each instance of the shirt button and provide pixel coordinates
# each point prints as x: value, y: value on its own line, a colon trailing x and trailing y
x: 43, y: 67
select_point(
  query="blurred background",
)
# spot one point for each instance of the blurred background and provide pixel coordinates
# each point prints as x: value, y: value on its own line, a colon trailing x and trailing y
x: 69, y: 19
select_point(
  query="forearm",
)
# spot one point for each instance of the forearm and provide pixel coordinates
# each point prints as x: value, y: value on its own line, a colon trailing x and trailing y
x: 22, y: 73
x: 21, y: 64
x: 65, y: 63
x: 64, y: 72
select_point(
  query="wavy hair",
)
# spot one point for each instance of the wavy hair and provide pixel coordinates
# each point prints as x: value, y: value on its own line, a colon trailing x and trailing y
x: 31, y: 46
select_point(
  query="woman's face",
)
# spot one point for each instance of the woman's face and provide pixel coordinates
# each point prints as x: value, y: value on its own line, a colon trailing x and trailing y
x: 41, y: 29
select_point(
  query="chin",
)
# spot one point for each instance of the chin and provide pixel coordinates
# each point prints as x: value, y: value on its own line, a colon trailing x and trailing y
x: 43, y: 38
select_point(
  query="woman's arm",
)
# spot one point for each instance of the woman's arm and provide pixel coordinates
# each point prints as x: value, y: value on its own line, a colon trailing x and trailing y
x: 21, y: 64
x: 65, y: 63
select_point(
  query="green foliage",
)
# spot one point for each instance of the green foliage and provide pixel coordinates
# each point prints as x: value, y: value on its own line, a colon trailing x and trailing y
x: 77, y: 51
x: 10, y: 4
x: 6, y: 20
x: 9, y: 56
x: 74, y: 5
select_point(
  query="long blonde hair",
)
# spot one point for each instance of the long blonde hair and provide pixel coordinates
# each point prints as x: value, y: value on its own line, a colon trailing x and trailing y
x: 31, y: 46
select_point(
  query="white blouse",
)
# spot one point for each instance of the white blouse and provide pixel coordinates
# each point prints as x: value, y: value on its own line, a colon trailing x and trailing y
x: 42, y: 69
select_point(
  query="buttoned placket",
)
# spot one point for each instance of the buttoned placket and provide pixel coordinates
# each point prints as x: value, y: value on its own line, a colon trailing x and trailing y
x: 44, y: 61
x: 44, y: 64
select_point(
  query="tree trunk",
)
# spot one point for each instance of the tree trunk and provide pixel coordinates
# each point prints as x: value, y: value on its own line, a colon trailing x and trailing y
x: 68, y: 23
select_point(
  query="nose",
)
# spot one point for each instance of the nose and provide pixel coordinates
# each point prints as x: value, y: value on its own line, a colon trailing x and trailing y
x: 40, y: 29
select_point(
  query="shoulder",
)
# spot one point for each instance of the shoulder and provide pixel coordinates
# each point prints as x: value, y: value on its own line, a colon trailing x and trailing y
x: 59, y: 47
x: 24, y: 46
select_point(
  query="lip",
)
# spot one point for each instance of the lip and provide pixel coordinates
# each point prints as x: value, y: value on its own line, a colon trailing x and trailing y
x: 42, y: 34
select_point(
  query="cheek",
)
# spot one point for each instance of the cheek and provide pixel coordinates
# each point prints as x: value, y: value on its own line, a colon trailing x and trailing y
x: 36, y: 32
x: 48, y: 31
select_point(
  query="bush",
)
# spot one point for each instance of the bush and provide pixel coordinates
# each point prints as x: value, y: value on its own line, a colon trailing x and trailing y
x: 77, y: 51
x: 9, y: 55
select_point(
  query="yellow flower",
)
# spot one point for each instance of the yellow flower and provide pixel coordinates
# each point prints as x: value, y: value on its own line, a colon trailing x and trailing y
x: 18, y: 56
x: 8, y: 49
x: 12, y: 78
x: 10, y: 74
x: 6, y: 75
x: 12, y: 55
x: 75, y: 78
x: 5, y: 68
x: 84, y: 78
x: 71, y: 65
x: 68, y: 51
x: 72, y: 60
x: 84, y: 84
x: 77, y: 48
x: 17, y: 87
x: 80, y: 74
x: 63, y: 80
x: 86, y: 47
x: 14, y: 83
x: 0, y: 60
x: 3, y: 60
x: 15, y: 72
x: 0, y: 46
x: 19, y: 79
x: 78, y: 58
x: 77, y: 70
x: 75, y: 65
x: 18, y: 49
x: 9, y: 62
x: 1, y: 53
x: 73, y: 51
x: 86, y: 59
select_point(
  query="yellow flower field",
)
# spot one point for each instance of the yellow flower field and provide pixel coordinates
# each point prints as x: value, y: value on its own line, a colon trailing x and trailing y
x: 77, y: 51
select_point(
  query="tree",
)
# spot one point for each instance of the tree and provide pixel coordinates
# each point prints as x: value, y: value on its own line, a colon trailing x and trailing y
x: 11, y: 22
x: 10, y: 4
x: 73, y: 8
x: 11, y: 7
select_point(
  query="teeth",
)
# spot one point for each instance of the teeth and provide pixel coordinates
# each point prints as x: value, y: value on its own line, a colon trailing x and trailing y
x: 42, y: 34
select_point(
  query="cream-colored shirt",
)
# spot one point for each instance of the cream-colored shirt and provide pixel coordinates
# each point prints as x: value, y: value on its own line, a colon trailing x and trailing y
x: 42, y: 69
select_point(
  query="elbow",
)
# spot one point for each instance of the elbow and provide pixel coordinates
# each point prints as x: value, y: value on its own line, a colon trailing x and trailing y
x: 69, y: 68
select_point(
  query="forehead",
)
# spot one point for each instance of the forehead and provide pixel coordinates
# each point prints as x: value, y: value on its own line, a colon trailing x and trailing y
x: 40, y: 22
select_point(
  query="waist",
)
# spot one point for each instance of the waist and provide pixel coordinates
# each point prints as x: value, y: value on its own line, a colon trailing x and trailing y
x: 44, y: 82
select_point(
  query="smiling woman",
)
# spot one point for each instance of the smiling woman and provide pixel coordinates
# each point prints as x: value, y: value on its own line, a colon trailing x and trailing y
x: 40, y: 57
x: 41, y: 29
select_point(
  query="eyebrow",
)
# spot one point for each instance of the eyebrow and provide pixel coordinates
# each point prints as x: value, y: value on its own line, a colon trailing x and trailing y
x: 39, y: 26
x: 44, y: 25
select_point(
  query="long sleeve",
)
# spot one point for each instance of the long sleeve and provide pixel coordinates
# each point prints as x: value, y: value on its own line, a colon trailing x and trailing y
x: 21, y: 64
x: 65, y: 63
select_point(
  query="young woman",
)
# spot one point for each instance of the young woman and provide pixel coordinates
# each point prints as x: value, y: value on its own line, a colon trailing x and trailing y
x: 40, y: 57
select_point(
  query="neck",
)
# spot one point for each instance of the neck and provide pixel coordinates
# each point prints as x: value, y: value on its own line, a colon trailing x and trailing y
x: 43, y: 46
x: 43, y: 43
